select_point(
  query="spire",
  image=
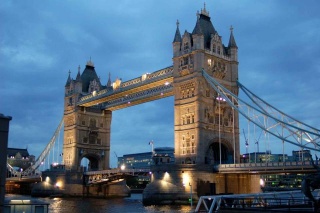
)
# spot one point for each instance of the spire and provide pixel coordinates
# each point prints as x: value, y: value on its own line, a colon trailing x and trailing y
x: 204, y: 11
x: 232, y: 41
x: 69, y: 79
x: 177, y: 36
x: 78, y: 75
x: 90, y: 63
x: 109, y: 80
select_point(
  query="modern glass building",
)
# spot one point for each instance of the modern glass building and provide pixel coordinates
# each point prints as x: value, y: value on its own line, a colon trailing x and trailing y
x: 144, y: 160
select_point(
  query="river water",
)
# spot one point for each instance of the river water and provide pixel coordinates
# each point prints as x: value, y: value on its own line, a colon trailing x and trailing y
x: 115, y: 205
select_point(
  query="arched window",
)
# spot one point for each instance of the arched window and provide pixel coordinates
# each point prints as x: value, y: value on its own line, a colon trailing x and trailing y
x: 214, y: 48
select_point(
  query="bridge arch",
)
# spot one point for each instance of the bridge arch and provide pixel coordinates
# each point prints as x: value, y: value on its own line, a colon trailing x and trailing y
x: 94, y: 161
x: 212, y: 155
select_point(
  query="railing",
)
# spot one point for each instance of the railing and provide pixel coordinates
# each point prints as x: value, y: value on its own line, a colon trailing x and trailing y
x: 284, y: 201
x: 256, y: 167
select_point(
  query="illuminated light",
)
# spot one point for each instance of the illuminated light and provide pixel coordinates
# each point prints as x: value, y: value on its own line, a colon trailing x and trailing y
x: 59, y: 184
x: 185, y: 179
x: 47, y: 179
x: 262, y: 182
x: 150, y: 173
x: 220, y: 98
x: 144, y: 76
x: 162, y: 93
x: 94, y: 93
x: 129, y: 102
x: 123, y: 167
x: 167, y: 83
x: 166, y: 176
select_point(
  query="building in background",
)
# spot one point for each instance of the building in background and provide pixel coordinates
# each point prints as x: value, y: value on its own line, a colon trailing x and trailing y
x: 20, y: 159
x: 161, y: 155
x: 282, y: 181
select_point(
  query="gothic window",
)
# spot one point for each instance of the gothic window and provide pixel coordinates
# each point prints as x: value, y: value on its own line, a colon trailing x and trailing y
x: 70, y: 101
x: 219, y: 51
x: 192, y: 92
x: 192, y: 137
x: 185, y: 60
x: 83, y: 123
x: 182, y: 92
x: 214, y: 48
x: 209, y: 62
x: 192, y: 150
x: 92, y: 122
x: 99, y: 141
x: 188, y: 119
x: 186, y: 45
x: 92, y: 140
x: 85, y: 140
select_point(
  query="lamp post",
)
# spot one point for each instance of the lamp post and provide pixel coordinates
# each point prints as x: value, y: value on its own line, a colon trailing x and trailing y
x: 190, y: 194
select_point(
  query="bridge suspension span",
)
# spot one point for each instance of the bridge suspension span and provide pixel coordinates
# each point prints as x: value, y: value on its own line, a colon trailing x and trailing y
x: 30, y: 171
x: 268, y: 118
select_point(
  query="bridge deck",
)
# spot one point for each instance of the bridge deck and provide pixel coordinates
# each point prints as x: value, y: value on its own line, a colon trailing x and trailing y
x: 143, y: 89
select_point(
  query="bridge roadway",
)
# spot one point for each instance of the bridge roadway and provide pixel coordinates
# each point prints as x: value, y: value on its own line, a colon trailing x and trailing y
x: 105, y: 176
x: 139, y: 90
x: 267, y: 168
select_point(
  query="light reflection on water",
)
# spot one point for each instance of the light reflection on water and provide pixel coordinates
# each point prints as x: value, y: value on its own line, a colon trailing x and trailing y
x: 91, y: 205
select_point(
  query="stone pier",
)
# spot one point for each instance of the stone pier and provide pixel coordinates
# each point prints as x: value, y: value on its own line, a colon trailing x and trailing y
x: 175, y: 184
x: 70, y: 184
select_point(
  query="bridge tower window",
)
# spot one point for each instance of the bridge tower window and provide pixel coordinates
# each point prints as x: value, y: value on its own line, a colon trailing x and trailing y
x: 93, y: 122
x: 85, y: 140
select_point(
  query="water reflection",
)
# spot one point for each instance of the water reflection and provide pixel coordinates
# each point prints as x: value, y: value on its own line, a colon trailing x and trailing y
x: 116, y: 205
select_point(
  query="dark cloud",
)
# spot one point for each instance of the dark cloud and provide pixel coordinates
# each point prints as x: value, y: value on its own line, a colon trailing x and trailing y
x: 41, y: 41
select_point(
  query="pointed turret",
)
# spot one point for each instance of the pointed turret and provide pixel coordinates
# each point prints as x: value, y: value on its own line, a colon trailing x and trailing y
x: 109, y: 81
x: 89, y: 74
x: 232, y: 47
x: 68, y: 80
x: 232, y: 41
x: 78, y: 82
x: 78, y: 75
x: 177, y: 36
x: 177, y: 41
x: 203, y: 28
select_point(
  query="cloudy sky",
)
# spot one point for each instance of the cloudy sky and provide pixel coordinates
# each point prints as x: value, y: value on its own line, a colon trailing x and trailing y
x: 279, y: 59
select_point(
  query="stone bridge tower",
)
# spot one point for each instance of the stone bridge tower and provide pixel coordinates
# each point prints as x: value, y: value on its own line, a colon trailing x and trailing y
x: 86, y: 130
x: 206, y: 129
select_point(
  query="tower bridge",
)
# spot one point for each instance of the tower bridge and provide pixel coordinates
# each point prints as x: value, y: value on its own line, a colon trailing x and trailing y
x: 204, y: 83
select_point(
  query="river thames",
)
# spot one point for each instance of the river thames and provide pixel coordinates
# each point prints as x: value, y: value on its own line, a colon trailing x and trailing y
x: 114, y: 205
